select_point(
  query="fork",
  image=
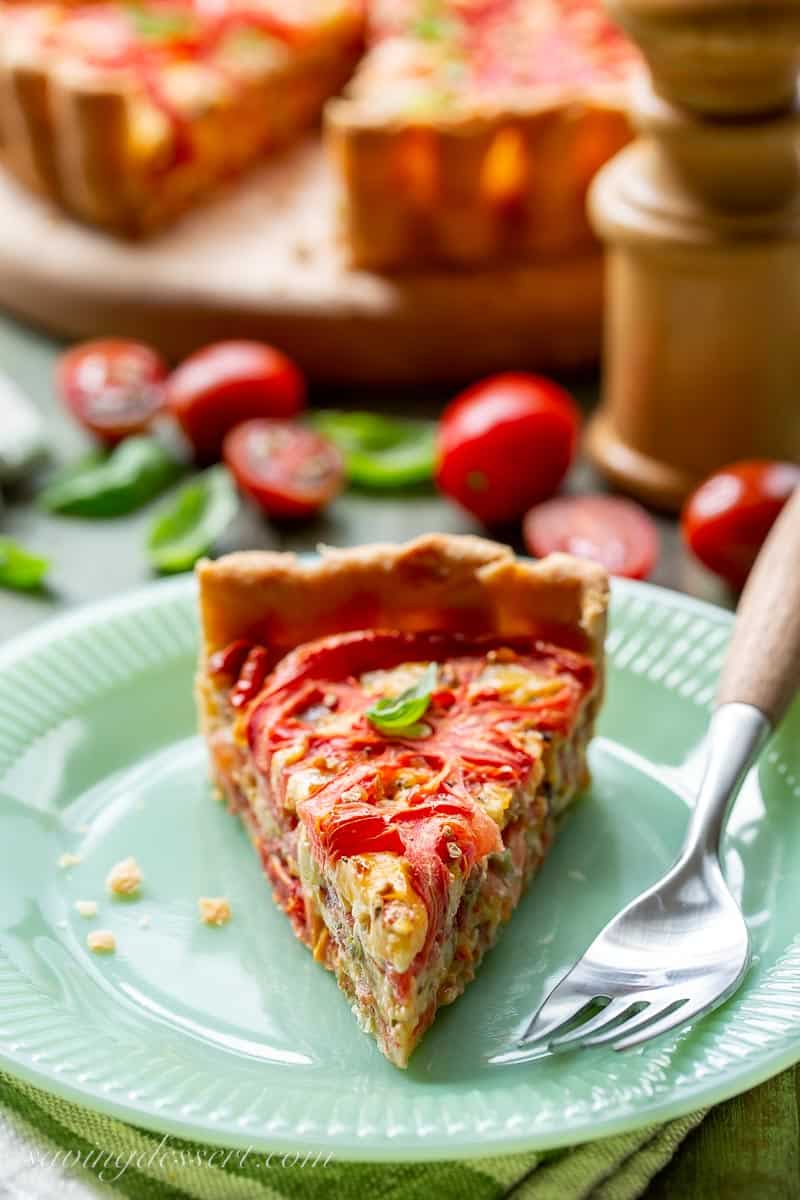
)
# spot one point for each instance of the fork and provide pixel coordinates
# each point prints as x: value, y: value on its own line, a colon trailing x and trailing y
x: 682, y: 947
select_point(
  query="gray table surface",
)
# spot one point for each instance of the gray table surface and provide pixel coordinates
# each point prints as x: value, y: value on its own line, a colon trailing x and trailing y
x: 93, y: 559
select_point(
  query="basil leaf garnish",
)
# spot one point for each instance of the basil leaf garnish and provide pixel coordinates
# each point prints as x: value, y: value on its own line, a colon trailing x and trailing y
x: 401, y: 714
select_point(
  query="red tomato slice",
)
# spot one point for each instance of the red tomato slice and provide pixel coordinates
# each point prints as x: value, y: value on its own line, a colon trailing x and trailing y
x: 114, y: 387
x: 726, y: 520
x: 506, y: 443
x: 230, y: 382
x: 289, y: 471
x: 617, y: 533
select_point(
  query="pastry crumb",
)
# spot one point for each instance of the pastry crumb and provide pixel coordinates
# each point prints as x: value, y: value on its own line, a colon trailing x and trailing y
x: 144, y: 921
x: 214, y: 910
x: 101, y: 941
x: 125, y: 878
x: 86, y: 908
x: 69, y: 860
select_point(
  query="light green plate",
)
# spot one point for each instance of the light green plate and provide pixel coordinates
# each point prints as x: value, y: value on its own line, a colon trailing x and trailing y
x: 235, y: 1035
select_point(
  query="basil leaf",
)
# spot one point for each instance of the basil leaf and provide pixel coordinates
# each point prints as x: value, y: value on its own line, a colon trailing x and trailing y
x: 401, y: 714
x: 19, y: 569
x: 200, y: 515
x: 381, y: 452
x: 135, y: 471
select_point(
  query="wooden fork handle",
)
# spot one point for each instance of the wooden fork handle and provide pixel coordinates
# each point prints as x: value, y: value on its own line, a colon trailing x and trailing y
x: 762, y: 666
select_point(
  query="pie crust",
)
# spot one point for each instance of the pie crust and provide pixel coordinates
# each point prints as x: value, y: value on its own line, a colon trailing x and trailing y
x: 128, y: 147
x: 437, y: 581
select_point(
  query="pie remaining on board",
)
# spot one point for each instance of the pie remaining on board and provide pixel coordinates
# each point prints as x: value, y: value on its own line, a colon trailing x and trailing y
x: 473, y: 128
x: 467, y: 136
x: 126, y: 115
x: 400, y: 728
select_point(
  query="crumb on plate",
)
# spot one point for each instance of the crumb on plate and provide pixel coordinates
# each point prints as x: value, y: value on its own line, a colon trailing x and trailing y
x: 124, y: 878
x: 69, y: 860
x: 86, y: 908
x: 144, y: 921
x: 101, y: 941
x: 214, y: 910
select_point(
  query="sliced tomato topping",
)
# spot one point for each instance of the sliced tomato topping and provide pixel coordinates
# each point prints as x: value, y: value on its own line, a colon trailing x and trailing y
x: 359, y: 829
x: 352, y: 653
x: 251, y: 677
x: 460, y: 822
x: 313, y: 701
x: 229, y: 661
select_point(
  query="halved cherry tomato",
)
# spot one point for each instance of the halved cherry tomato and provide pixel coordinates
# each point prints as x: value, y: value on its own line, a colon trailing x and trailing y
x: 289, y: 470
x: 617, y: 533
x: 505, y: 444
x: 113, y: 386
x: 726, y: 520
x: 227, y: 383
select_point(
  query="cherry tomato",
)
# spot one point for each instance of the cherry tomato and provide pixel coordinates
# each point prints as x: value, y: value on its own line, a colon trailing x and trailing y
x: 114, y: 387
x: 506, y: 443
x: 289, y: 470
x: 617, y: 533
x: 227, y: 383
x: 725, y: 521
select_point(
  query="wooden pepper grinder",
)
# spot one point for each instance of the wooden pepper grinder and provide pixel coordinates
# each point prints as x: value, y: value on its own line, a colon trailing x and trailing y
x: 701, y: 217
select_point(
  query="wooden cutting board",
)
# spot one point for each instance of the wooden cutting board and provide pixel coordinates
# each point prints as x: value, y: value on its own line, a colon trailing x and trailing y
x: 262, y: 260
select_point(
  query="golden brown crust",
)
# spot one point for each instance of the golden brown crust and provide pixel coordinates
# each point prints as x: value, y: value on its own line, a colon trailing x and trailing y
x: 436, y: 581
x: 481, y: 183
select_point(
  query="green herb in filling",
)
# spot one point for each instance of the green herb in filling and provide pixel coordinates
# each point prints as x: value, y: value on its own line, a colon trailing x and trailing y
x: 161, y: 24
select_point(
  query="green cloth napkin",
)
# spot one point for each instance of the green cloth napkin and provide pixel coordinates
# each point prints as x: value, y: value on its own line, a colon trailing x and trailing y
x: 125, y: 1160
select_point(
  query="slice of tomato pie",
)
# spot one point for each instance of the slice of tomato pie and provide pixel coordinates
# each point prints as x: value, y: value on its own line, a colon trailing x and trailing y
x: 400, y: 729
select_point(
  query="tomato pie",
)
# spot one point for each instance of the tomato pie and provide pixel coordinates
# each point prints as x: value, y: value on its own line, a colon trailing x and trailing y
x: 468, y: 135
x: 473, y: 128
x: 126, y: 113
x: 400, y: 728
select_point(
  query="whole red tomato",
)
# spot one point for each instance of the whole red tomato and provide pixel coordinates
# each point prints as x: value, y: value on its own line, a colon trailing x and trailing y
x: 726, y: 520
x: 505, y: 444
x: 113, y: 386
x: 226, y: 383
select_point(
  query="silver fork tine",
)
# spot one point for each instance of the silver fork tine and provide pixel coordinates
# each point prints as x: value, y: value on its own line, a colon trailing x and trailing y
x: 561, y: 1006
x: 678, y: 1016
x: 648, y: 1014
x: 609, y: 1014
